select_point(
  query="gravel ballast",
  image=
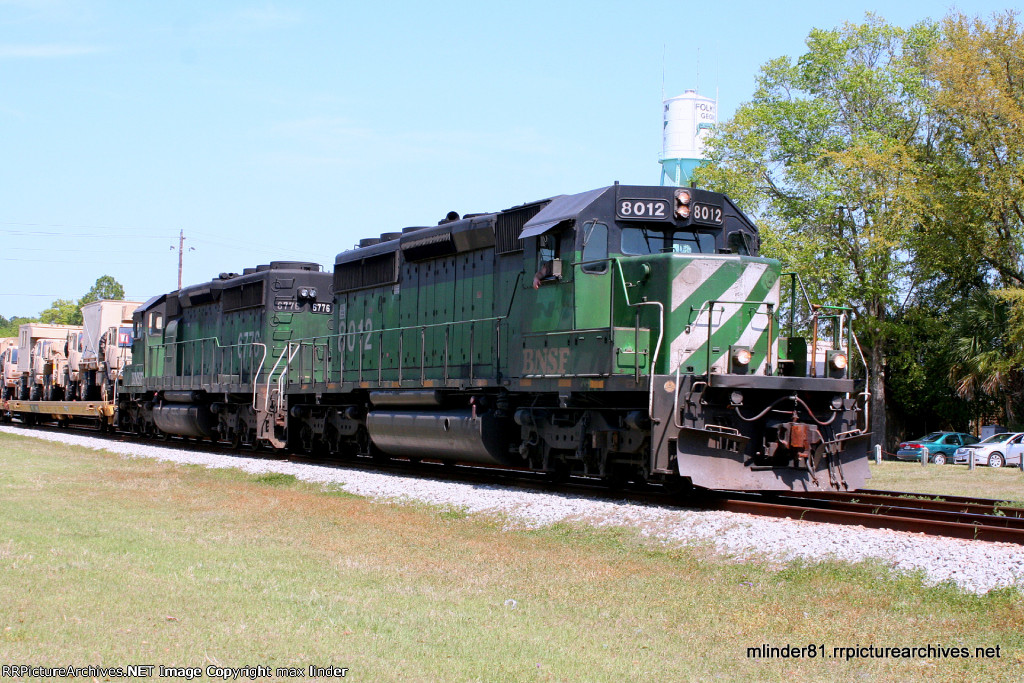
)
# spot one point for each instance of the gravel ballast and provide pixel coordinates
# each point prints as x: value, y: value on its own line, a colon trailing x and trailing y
x: 975, y: 566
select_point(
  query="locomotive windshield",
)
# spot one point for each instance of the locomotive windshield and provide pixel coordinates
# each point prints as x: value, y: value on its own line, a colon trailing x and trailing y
x: 642, y: 241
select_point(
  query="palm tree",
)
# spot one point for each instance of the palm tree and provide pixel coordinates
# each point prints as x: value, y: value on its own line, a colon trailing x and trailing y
x: 982, y: 361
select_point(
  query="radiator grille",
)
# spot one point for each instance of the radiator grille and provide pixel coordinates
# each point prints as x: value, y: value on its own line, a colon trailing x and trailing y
x: 249, y: 295
x: 369, y: 272
x: 510, y: 224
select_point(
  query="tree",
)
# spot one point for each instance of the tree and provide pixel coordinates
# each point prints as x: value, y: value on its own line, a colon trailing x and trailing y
x: 106, y: 287
x: 68, y: 312
x: 985, y: 359
x: 9, y: 328
x: 978, y: 72
x: 62, y: 312
x: 826, y: 155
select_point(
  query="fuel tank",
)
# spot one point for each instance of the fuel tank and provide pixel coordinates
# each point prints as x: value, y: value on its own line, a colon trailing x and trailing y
x: 185, y: 419
x: 445, y: 435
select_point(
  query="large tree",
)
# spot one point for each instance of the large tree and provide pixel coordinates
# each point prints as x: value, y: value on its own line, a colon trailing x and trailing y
x: 826, y: 156
x: 978, y: 74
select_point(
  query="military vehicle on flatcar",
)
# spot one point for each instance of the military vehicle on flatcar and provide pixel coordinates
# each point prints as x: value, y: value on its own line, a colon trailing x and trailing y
x: 97, y: 356
x: 9, y: 374
x: 42, y: 361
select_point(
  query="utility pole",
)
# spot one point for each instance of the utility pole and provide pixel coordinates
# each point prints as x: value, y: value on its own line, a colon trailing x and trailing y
x: 181, y: 253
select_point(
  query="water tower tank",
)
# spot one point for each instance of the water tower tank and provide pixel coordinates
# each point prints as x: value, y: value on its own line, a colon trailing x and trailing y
x: 688, y: 120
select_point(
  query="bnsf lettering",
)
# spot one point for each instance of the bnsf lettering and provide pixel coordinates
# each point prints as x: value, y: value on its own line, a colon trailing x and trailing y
x: 545, y: 361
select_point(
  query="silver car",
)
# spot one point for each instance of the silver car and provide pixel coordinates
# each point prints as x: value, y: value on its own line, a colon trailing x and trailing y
x: 995, y: 451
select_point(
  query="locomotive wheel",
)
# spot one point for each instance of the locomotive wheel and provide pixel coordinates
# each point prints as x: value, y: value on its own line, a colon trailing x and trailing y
x: 306, y: 439
x: 559, y: 472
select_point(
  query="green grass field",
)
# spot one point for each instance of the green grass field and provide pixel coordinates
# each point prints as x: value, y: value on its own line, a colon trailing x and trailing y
x: 112, y: 561
x: 1003, y: 483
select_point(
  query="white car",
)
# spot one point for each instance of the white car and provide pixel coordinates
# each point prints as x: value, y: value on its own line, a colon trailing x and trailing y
x: 995, y: 451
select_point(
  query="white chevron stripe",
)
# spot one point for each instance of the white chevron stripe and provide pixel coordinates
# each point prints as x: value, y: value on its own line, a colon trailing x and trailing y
x: 688, y: 342
x: 693, y: 276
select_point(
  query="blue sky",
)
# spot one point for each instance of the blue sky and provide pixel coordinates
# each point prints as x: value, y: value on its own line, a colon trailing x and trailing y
x: 289, y: 130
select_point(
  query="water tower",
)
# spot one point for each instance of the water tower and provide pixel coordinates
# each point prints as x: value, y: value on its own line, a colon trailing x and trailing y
x: 689, y: 119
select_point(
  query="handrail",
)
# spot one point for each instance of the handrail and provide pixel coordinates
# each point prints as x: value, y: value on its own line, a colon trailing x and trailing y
x: 218, y: 356
x: 710, y: 304
x: 657, y: 346
x: 341, y: 337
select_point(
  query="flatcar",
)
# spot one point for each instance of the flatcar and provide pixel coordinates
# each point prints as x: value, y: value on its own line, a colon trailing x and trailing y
x: 625, y: 333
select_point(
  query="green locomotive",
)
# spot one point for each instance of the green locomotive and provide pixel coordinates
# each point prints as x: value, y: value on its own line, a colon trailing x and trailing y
x: 624, y: 333
x: 205, y: 358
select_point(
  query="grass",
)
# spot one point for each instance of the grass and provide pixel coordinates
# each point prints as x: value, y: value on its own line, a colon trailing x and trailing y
x: 114, y: 561
x: 1004, y: 483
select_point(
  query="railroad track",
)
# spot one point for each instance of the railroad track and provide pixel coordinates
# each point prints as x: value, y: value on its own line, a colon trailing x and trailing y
x: 949, y: 516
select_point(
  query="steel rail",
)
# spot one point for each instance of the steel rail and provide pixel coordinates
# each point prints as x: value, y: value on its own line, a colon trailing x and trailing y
x: 990, y: 528
x: 913, y: 500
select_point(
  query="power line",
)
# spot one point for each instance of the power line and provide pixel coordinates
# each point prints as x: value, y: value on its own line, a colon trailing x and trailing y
x: 79, y: 251
x: 36, y: 233
x: 105, y: 263
x: 58, y: 296
x: 71, y: 225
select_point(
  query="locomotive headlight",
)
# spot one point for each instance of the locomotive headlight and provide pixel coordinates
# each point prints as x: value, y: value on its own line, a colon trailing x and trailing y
x: 303, y: 293
x: 739, y: 359
x: 682, y: 203
x: 837, y: 362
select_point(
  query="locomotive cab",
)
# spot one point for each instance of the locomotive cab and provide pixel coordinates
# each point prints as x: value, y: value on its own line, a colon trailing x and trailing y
x: 658, y: 296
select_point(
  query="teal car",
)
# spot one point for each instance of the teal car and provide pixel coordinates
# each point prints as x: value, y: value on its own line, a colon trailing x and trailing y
x: 941, y: 446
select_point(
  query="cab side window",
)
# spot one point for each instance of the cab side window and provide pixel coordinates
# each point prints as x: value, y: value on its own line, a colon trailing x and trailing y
x: 595, y: 248
x: 738, y: 244
x: 156, y: 322
x: 547, y: 258
x: 547, y: 249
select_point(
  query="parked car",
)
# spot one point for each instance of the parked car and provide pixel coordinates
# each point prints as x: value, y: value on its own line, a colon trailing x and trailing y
x: 941, y: 446
x: 995, y: 451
